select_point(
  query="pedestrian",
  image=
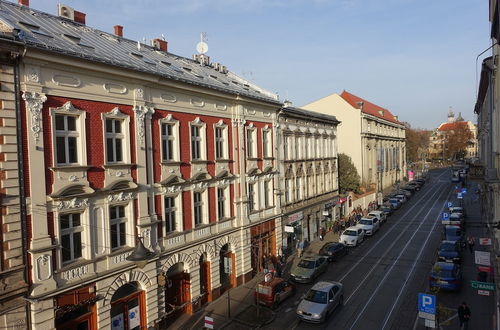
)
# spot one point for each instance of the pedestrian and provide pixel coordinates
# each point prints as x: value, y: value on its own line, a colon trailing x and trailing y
x: 464, y: 316
x: 301, y: 248
x: 470, y: 242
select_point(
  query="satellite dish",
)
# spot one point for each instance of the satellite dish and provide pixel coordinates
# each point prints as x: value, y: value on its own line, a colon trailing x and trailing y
x: 202, y: 47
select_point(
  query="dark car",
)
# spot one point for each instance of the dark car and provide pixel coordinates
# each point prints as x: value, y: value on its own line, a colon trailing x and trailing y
x: 273, y: 292
x: 445, y: 276
x: 449, y: 251
x: 396, y: 204
x: 333, y: 251
x: 454, y: 233
x: 387, y: 208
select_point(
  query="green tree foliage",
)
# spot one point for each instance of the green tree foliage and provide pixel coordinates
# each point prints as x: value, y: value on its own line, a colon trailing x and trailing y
x: 416, y: 139
x: 349, y: 179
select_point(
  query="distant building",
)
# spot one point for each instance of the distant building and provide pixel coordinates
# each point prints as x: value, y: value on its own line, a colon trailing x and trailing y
x: 438, y: 148
x: 371, y: 135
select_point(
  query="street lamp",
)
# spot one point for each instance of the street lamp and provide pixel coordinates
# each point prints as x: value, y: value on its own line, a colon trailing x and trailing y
x: 141, y: 256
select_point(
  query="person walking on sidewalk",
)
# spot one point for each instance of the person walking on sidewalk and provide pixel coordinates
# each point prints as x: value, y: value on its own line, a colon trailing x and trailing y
x: 470, y: 242
x: 464, y: 316
x: 300, y: 248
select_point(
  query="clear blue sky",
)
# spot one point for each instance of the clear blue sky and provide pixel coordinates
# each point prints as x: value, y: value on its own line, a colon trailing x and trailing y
x: 414, y: 57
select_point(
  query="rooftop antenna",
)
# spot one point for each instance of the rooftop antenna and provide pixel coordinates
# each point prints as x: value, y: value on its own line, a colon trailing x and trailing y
x: 163, y: 36
x: 202, y: 46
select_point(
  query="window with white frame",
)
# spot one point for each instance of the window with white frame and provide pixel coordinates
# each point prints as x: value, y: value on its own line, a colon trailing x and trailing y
x: 114, y: 141
x: 118, y: 224
x: 287, y: 190
x: 221, y: 203
x: 298, y: 187
x: 308, y: 149
x: 251, y: 142
x: 286, y: 146
x: 71, y: 236
x: 198, y: 208
x: 221, y: 140
x: 251, y: 197
x: 267, y: 193
x: 170, y: 214
x: 318, y: 182
x: 325, y: 146
x: 266, y: 143
x: 167, y: 141
x: 67, y: 139
x: 198, y: 139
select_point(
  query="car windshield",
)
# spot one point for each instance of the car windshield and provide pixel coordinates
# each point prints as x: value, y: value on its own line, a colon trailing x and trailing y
x: 443, y: 273
x: 309, y: 264
x: 263, y: 289
x: 316, y: 296
x: 365, y: 222
x: 446, y: 246
x: 350, y: 233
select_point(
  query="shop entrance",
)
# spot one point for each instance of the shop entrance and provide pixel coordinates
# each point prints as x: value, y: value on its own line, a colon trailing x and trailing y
x: 127, y: 308
x: 76, y: 310
x: 226, y: 269
x: 205, y: 287
x: 177, y: 292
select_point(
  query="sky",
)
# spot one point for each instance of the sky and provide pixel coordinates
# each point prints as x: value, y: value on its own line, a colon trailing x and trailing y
x: 414, y: 57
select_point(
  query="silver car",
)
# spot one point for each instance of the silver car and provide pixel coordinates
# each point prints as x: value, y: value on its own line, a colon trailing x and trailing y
x: 308, y: 269
x: 320, y: 301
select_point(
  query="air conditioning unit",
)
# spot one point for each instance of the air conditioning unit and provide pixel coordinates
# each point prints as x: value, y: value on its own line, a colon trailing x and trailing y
x: 66, y: 12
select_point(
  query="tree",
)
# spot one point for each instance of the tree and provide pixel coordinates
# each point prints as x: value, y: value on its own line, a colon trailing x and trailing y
x: 416, y: 139
x: 349, y: 179
x: 457, y: 141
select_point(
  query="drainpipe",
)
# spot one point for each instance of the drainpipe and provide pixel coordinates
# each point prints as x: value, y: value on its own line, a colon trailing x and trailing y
x: 20, y: 161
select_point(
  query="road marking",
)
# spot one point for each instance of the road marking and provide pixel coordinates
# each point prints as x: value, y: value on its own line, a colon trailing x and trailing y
x: 410, y: 273
x: 387, y: 273
x: 389, y: 231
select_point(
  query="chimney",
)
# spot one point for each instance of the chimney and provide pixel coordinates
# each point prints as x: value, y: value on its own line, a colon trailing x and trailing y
x: 118, y: 30
x: 24, y: 2
x: 80, y: 17
x: 160, y: 44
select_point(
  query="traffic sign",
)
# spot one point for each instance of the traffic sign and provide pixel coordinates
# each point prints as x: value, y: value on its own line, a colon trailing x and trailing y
x: 450, y: 204
x: 459, y: 195
x: 464, y: 190
x: 445, y: 216
x: 482, y: 285
x: 209, y: 322
x: 427, y: 303
x: 430, y: 324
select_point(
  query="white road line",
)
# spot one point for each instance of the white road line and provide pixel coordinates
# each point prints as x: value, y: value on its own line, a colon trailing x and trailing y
x: 386, y: 233
x: 389, y: 249
x: 388, y: 271
x: 410, y: 273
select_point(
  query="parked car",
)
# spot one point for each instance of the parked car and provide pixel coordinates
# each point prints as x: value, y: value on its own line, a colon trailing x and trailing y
x: 320, y: 301
x: 407, y: 193
x: 457, y: 209
x: 456, y: 219
x: 449, y: 251
x: 402, y: 198
x: 308, y: 269
x: 273, y: 292
x: 396, y: 204
x: 333, y: 251
x: 454, y: 233
x: 414, y: 184
x: 387, y: 209
x: 380, y: 214
x: 352, y: 236
x: 446, y: 276
x: 411, y: 188
x: 369, y: 225
x: 421, y: 181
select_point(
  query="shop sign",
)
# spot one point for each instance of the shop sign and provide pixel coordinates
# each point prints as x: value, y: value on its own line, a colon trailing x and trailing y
x: 485, y: 241
x: 325, y: 213
x: 482, y: 285
x: 342, y: 200
x: 295, y: 217
x: 482, y: 258
x: 289, y: 229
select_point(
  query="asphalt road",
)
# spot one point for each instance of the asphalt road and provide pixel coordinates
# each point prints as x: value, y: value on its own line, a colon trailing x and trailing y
x: 383, y: 276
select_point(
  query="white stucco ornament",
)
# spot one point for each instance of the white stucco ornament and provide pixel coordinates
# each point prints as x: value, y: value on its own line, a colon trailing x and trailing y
x: 121, y: 197
x: 34, y: 104
x: 74, y: 203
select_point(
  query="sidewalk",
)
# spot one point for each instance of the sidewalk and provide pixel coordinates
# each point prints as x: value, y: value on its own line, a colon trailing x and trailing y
x: 244, y: 314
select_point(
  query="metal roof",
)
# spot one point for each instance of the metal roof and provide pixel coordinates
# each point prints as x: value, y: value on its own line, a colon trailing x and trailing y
x: 63, y: 36
x: 288, y: 110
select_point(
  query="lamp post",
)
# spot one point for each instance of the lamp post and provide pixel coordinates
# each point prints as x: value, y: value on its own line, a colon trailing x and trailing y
x: 141, y: 255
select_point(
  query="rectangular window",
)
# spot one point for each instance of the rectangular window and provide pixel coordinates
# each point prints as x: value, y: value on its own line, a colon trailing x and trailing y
x: 308, y: 151
x: 251, y: 196
x: 297, y: 147
x: 286, y: 144
x: 267, y: 194
x: 221, y: 200
x: 297, y: 188
x: 250, y: 142
x: 266, y: 143
x: 117, y: 224
x: 198, y: 208
x: 287, y: 190
x: 219, y: 143
x: 114, y: 140
x: 170, y: 214
x: 195, y: 143
x: 167, y: 142
x: 66, y: 140
x: 71, y: 236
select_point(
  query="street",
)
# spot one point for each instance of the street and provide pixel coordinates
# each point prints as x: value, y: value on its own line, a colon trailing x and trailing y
x: 383, y: 276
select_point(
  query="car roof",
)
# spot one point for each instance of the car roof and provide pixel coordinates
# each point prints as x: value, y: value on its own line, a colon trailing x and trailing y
x: 375, y: 212
x: 352, y: 228
x: 325, y: 285
x: 332, y: 244
x: 312, y: 258
x: 452, y: 227
x: 446, y: 241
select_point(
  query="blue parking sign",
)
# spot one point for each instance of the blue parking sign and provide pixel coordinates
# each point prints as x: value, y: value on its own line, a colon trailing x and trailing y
x: 459, y: 195
x: 445, y: 216
x: 427, y: 303
x: 464, y: 190
x: 450, y: 204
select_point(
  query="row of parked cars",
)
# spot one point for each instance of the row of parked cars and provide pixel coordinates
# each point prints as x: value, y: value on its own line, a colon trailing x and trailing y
x: 324, y: 296
x: 446, y: 272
